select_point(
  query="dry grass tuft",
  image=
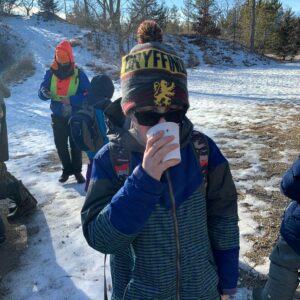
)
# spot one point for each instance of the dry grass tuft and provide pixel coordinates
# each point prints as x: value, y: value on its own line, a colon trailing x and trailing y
x: 208, y: 60
x: 193, y: 60
x: 20, y: 71
x: 75, y: 42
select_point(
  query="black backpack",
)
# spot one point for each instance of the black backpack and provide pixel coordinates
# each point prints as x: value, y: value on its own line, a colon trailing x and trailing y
x: 85, y: 129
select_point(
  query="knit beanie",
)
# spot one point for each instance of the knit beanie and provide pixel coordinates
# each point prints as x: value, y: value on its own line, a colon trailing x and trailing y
x: 152, y: 74
x: 100, y: 90
x: 63, y: 54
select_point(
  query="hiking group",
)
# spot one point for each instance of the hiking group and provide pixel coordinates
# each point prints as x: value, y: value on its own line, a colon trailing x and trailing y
x: 170, y: 226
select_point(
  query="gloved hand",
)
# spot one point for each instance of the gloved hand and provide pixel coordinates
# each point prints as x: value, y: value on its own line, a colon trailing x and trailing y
x: 65, y: 100
x: 46, y: 93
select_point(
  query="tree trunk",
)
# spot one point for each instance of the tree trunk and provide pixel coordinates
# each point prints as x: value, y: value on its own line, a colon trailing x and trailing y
x: 253, y: 25
x: 86, y: 9
x: 65, y: 6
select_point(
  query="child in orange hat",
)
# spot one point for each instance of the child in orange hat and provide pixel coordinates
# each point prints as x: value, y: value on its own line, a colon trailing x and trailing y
x: 66, y: 85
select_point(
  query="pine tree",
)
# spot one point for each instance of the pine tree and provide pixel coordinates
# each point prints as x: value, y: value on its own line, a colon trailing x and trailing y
x: 289, y: 35
x: 295, y: 35
x: 173, y: 23
x: 141, y: 10
x: 49, y: 6
x: 206, y: 18
x: 268, y: 14
x: 230, y: 25
x: 188, y: 12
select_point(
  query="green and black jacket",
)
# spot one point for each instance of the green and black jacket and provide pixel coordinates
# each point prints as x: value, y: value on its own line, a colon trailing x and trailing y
x: 170, y: 239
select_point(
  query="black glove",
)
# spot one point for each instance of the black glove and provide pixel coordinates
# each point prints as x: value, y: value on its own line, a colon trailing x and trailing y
x: 46, y: 93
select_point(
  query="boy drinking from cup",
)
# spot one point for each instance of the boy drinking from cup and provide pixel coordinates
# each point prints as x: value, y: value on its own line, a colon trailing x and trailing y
x: 171, y: 230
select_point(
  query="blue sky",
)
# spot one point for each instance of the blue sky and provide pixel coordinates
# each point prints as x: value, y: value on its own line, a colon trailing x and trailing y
x: 294, y: 4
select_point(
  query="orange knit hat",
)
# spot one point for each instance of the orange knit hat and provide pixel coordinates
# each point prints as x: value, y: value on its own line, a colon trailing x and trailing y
x: 61, y: 56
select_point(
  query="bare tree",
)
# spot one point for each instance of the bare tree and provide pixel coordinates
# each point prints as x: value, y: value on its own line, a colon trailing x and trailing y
x: 86, y: 9
x: 8, y: 5
x: 111, y: 14
x: 28, y: 5
x: 65, y: 8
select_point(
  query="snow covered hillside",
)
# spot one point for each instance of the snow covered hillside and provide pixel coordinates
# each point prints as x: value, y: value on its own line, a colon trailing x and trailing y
x: 251, y: 112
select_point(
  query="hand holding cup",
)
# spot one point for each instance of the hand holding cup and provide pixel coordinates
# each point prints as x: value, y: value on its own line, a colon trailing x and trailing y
x: 162, y: 149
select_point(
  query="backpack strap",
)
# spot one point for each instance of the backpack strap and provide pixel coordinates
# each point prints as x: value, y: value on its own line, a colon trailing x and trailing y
x: 120, y: 160
x: 104, y: 280
x: 201, y: 148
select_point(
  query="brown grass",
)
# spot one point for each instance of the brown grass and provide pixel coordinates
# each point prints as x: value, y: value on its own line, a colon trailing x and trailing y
x: 20, y: 71
x: 75, y: 42
x: 193, y: 61
x: 277, y: 136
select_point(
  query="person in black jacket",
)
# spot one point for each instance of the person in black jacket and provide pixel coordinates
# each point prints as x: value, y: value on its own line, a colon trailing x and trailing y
x: 10, y: 187
x: 285, y: 257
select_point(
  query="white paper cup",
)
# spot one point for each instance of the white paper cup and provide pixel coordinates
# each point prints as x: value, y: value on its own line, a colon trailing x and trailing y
x: 169, y: 128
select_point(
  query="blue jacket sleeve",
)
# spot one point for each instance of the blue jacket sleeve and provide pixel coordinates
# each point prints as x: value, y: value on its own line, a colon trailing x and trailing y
x: 84, y: 83
x: 132, y: 205
x: 223, y: 219
x: 290, y: 184
x: 112, y: 214
x: 45, y: 84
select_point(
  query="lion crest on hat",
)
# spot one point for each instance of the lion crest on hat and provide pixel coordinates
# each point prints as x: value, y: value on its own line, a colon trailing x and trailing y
x: 163, y: 92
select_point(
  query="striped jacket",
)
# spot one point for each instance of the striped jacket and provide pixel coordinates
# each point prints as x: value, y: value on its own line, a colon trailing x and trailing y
x: 168, y: 239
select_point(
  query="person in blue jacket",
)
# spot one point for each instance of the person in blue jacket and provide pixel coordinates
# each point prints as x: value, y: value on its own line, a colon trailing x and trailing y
x: 66, y: 85
x: 171, y: 231
x: 285, y: 258
x: 99, y: 96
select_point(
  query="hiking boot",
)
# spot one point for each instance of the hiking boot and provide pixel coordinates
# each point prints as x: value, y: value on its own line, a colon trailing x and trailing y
x: 2, y: 231
x: 79, y: 178
x: 63, y: 178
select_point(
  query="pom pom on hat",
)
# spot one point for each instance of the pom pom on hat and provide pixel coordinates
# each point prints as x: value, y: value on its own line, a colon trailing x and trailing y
x: 149, y: 31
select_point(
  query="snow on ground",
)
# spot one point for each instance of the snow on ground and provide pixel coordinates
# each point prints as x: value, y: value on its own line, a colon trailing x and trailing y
x: 58, y: 263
